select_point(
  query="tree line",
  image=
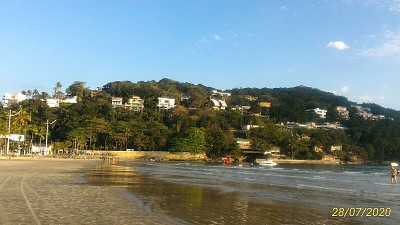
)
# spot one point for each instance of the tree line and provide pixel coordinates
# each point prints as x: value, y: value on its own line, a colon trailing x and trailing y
x: 193, y: 126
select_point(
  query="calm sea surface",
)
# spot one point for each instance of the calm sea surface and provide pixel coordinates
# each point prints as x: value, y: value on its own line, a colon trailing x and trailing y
x: 201, y: 193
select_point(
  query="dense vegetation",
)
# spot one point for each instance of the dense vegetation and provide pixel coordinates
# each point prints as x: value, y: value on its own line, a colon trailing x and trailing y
x: 194, y: 126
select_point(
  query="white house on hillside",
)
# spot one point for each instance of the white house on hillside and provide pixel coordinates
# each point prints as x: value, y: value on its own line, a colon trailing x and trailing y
x: 320, y: 112
x: 166, y: 103
x: 215, y: 92
x: 219, y: 104
x: 13, y: 98
x: 55, y: 102
x: 248, y: 127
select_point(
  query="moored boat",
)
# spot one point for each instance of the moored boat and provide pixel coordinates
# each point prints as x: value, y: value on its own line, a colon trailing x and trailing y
x: 264, y: 162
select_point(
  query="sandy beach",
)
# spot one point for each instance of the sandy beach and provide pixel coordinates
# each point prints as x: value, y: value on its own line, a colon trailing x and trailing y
x: 54, y: 191
x: 72, y: 191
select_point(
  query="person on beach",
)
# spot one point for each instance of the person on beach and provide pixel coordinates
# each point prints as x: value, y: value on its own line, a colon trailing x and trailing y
x: 393, y: 175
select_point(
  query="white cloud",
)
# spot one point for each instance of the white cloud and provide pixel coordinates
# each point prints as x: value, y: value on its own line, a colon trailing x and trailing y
x: 345, y: 89
x: 382, y: 98
x: 390, y: 47
x: 366, y: 98
x: 217, y: 37
x: 338, y: 45
x: 394, y: 6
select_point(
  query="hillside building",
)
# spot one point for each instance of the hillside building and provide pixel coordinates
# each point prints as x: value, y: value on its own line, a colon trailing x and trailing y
x: 215, y: 92
x: 166, y: 103
x: 116, y: 102
x: 55, y: 102
x: 10, y: 99
x: 320, y: 112
x: 343, y: 112
x: 135, y: 103
x: 265, y: 104
x: 218, y: 104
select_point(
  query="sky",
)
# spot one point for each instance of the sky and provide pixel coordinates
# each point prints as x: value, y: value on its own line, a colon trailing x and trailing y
x: 348, y: 47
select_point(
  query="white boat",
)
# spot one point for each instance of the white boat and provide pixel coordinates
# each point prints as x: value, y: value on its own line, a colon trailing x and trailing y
x: 266, y: 162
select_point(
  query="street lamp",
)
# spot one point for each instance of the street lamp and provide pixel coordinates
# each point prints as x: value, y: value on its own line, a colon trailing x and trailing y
x: 9, y: 129
x: 47, y: 130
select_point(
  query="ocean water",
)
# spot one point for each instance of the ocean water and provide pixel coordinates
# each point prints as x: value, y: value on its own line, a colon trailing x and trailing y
x: 201, y: 193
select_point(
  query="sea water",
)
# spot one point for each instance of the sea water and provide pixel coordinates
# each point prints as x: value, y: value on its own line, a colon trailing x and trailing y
x: 201, y: 193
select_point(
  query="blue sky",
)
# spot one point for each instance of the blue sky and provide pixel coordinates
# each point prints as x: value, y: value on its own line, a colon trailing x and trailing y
x: 348, y: 47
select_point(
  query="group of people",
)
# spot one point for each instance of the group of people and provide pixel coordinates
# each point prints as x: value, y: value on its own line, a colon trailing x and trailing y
x: 393, y: 174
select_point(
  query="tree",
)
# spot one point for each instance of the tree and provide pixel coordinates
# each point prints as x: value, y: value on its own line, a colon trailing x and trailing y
x: 61, y: 147
x: 78, y: 137
x: 57, y: 90
x: 268, y: 136
x: 78, y: 89
x: 180, y: 117
x: 41, y: 132
x: 44, y: 95
x: 36, y: 94
x: 192, y: 140
x: 3, y: 133
x: 220, y: 143
x: 21, y: 121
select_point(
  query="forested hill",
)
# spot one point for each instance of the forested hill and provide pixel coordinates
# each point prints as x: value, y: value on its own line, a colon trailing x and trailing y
x: 370, y: 139
x: 290, y: 103
x: 287, y: 104
x: 196, y: 124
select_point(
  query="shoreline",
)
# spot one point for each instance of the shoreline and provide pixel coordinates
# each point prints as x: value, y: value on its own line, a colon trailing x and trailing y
x: 180, y: 159
x: 212, y: 203
x: 314, y: 162
x: 56, y: 191
x: 70, y: 191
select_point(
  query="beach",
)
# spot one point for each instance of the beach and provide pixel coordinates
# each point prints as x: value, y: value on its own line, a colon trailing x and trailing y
x: 72, y: 191
x: 211, y: 193
x: 54, y: 191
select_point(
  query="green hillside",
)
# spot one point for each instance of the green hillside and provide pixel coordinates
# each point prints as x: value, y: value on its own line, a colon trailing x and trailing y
x: 280, y: 117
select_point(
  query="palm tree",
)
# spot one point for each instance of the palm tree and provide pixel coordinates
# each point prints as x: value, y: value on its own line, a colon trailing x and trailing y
x: 35, y: 94
x: 21, y: 120
x: 29, y: 94
x: 57, y: 91
x: 3, y: 132
x: 34, y: 130
x: 41, y: 133
x: 57, y: 88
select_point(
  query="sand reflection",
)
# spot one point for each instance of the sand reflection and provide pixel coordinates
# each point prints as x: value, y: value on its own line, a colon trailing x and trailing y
x: 194, y: 204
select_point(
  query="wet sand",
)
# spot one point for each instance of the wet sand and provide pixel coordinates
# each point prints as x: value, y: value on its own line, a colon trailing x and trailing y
x: 67, y: 191
x: 55, y: 191
x: 194, y: 204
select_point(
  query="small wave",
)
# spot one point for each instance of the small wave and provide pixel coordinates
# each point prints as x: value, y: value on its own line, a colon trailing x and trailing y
x: 384, y: 184
x: 319, y: 177
x: 324, y: 188
x: 352, y: 172
x: 380, y: 173
x: 274, y: 168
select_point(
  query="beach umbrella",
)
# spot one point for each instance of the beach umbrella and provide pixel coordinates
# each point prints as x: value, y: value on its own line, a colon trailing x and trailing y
x: 394, y: 164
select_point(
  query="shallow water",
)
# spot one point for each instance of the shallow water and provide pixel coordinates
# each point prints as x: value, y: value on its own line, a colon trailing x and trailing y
x: 199, y: 193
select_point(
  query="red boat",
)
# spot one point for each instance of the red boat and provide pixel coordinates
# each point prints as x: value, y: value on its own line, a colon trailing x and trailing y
x: 227, y: 160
